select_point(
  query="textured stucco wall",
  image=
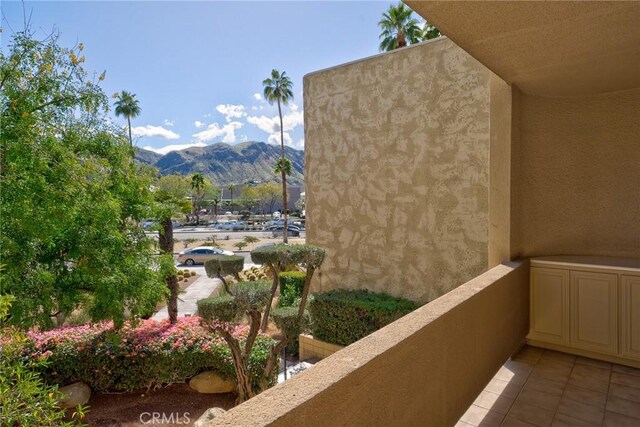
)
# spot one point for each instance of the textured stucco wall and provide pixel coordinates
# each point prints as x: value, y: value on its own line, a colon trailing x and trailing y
x: 396, y: 162
x: 576, y: 175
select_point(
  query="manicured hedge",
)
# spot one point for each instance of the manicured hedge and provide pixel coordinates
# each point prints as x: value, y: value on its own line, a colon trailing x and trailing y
x: 344, y: 316
x: 286, y: 319
x: 224, y: 265
x: 291, y: 285
x: 149, y: 355
x: 226, y: 308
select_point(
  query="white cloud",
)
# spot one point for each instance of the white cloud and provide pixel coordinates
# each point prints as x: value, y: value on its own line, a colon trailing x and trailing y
x: 271, y: 125
x: 214, y: 131
x: 257, y: 96
x: 274, y: 138
x: 157, y: 131
x: 198, y: 124
x: 168, y: 122
x: 175, y: 147
x: 230, y: 111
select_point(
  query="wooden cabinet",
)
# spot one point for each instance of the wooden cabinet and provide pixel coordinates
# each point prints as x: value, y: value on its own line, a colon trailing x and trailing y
x: 549, y: 315
x: 630, y: 316
x: 587, y: 306
x: 594, y: 311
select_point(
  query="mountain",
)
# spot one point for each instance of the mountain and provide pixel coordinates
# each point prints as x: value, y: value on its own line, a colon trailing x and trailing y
x: 225, y: 163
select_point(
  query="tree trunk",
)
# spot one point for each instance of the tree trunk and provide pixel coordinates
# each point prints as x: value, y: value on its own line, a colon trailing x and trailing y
x: 165, y: 242
x: 274, y: 287
x: 130, y: 139
x: 272, y: 362
x: 305, y: 292
x: 243, y: 385
x: 172, y: 301
x: 283, y: 173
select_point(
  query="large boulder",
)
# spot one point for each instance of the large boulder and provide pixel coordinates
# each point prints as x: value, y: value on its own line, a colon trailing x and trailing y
x: 74, y: 395
x: 210, y: 382
x: 208, y: 416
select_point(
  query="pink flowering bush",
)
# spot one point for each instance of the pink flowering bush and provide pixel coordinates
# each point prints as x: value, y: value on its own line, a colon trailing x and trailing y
x: 148, y: 355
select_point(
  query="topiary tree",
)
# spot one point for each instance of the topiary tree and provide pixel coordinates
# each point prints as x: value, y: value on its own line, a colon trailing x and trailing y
x: 223, y: 265
x: 276, y: 257
x: 221, y: 313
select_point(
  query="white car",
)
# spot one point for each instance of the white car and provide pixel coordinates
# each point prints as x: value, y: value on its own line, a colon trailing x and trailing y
x: 200, y: 254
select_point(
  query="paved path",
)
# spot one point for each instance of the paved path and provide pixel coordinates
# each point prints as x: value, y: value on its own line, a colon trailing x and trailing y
x: 201, y: 288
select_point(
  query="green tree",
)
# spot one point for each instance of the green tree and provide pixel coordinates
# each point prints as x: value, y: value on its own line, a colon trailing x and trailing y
x: 287, y: 166
x: 278, y: 88
x: 430, y: 32
x: 127, y: 105
x: 271, y: 194
x: 71, y: 196
x: 198, y: 185
x: 230, y: 187
x: 399, y: 28
x: 171, y: 199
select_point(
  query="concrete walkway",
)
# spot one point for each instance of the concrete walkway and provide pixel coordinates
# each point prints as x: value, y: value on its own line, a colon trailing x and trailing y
x: 201, y: 288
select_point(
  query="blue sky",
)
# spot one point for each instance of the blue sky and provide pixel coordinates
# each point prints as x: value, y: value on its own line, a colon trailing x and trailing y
x: 197, y: 67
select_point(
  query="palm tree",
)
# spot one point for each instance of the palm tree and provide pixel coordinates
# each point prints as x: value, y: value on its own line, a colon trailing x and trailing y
x: 399, y: 28
x: 127, y: 106
x: 197, y: 184
x: 277, y: 88
x: 430, y: 32
x: 230, y: 187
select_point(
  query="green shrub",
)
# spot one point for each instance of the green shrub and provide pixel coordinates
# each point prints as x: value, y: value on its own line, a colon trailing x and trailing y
x: 344, y: 316
x: 286, y: 319
x: 180, y: 277
x: 222, y: 265
x: 222, y: 307
x: 25, y: 400
x: 193, y: 273
x: 252, y: 294
x: 149, y: 355
x: 291, y: 285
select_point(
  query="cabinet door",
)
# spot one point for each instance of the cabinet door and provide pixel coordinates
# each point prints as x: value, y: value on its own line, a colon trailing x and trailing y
x: 630, y: 304
x: 549, y: 305
x: 594, y: 311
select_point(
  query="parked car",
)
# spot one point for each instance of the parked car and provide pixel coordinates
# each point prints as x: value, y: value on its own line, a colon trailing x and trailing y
x: 278, y: 231
x: 200, y: 254
x: 227, y: 225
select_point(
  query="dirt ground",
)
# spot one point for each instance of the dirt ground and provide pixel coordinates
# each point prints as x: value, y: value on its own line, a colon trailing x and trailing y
x: 179, y: 404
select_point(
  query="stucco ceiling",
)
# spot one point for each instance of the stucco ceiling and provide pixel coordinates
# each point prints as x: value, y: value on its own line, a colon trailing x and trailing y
x: 547, y: 48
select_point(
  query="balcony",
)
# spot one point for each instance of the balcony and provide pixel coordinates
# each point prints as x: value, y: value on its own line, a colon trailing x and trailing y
x: 544, y: 387
x: 424, y: 369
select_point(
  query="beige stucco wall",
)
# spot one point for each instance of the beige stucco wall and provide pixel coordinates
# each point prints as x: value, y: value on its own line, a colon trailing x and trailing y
x: 576, y: 175
x: 396, y: 173
x: 422, y: 370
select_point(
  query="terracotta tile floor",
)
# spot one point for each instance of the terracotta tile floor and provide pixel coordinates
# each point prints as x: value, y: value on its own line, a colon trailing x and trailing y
x: 546, y: 388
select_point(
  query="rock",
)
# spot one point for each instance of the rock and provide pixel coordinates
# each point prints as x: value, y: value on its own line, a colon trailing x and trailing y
x: 210, y: 382
x: 74, y: 395
x: 209, y: 415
